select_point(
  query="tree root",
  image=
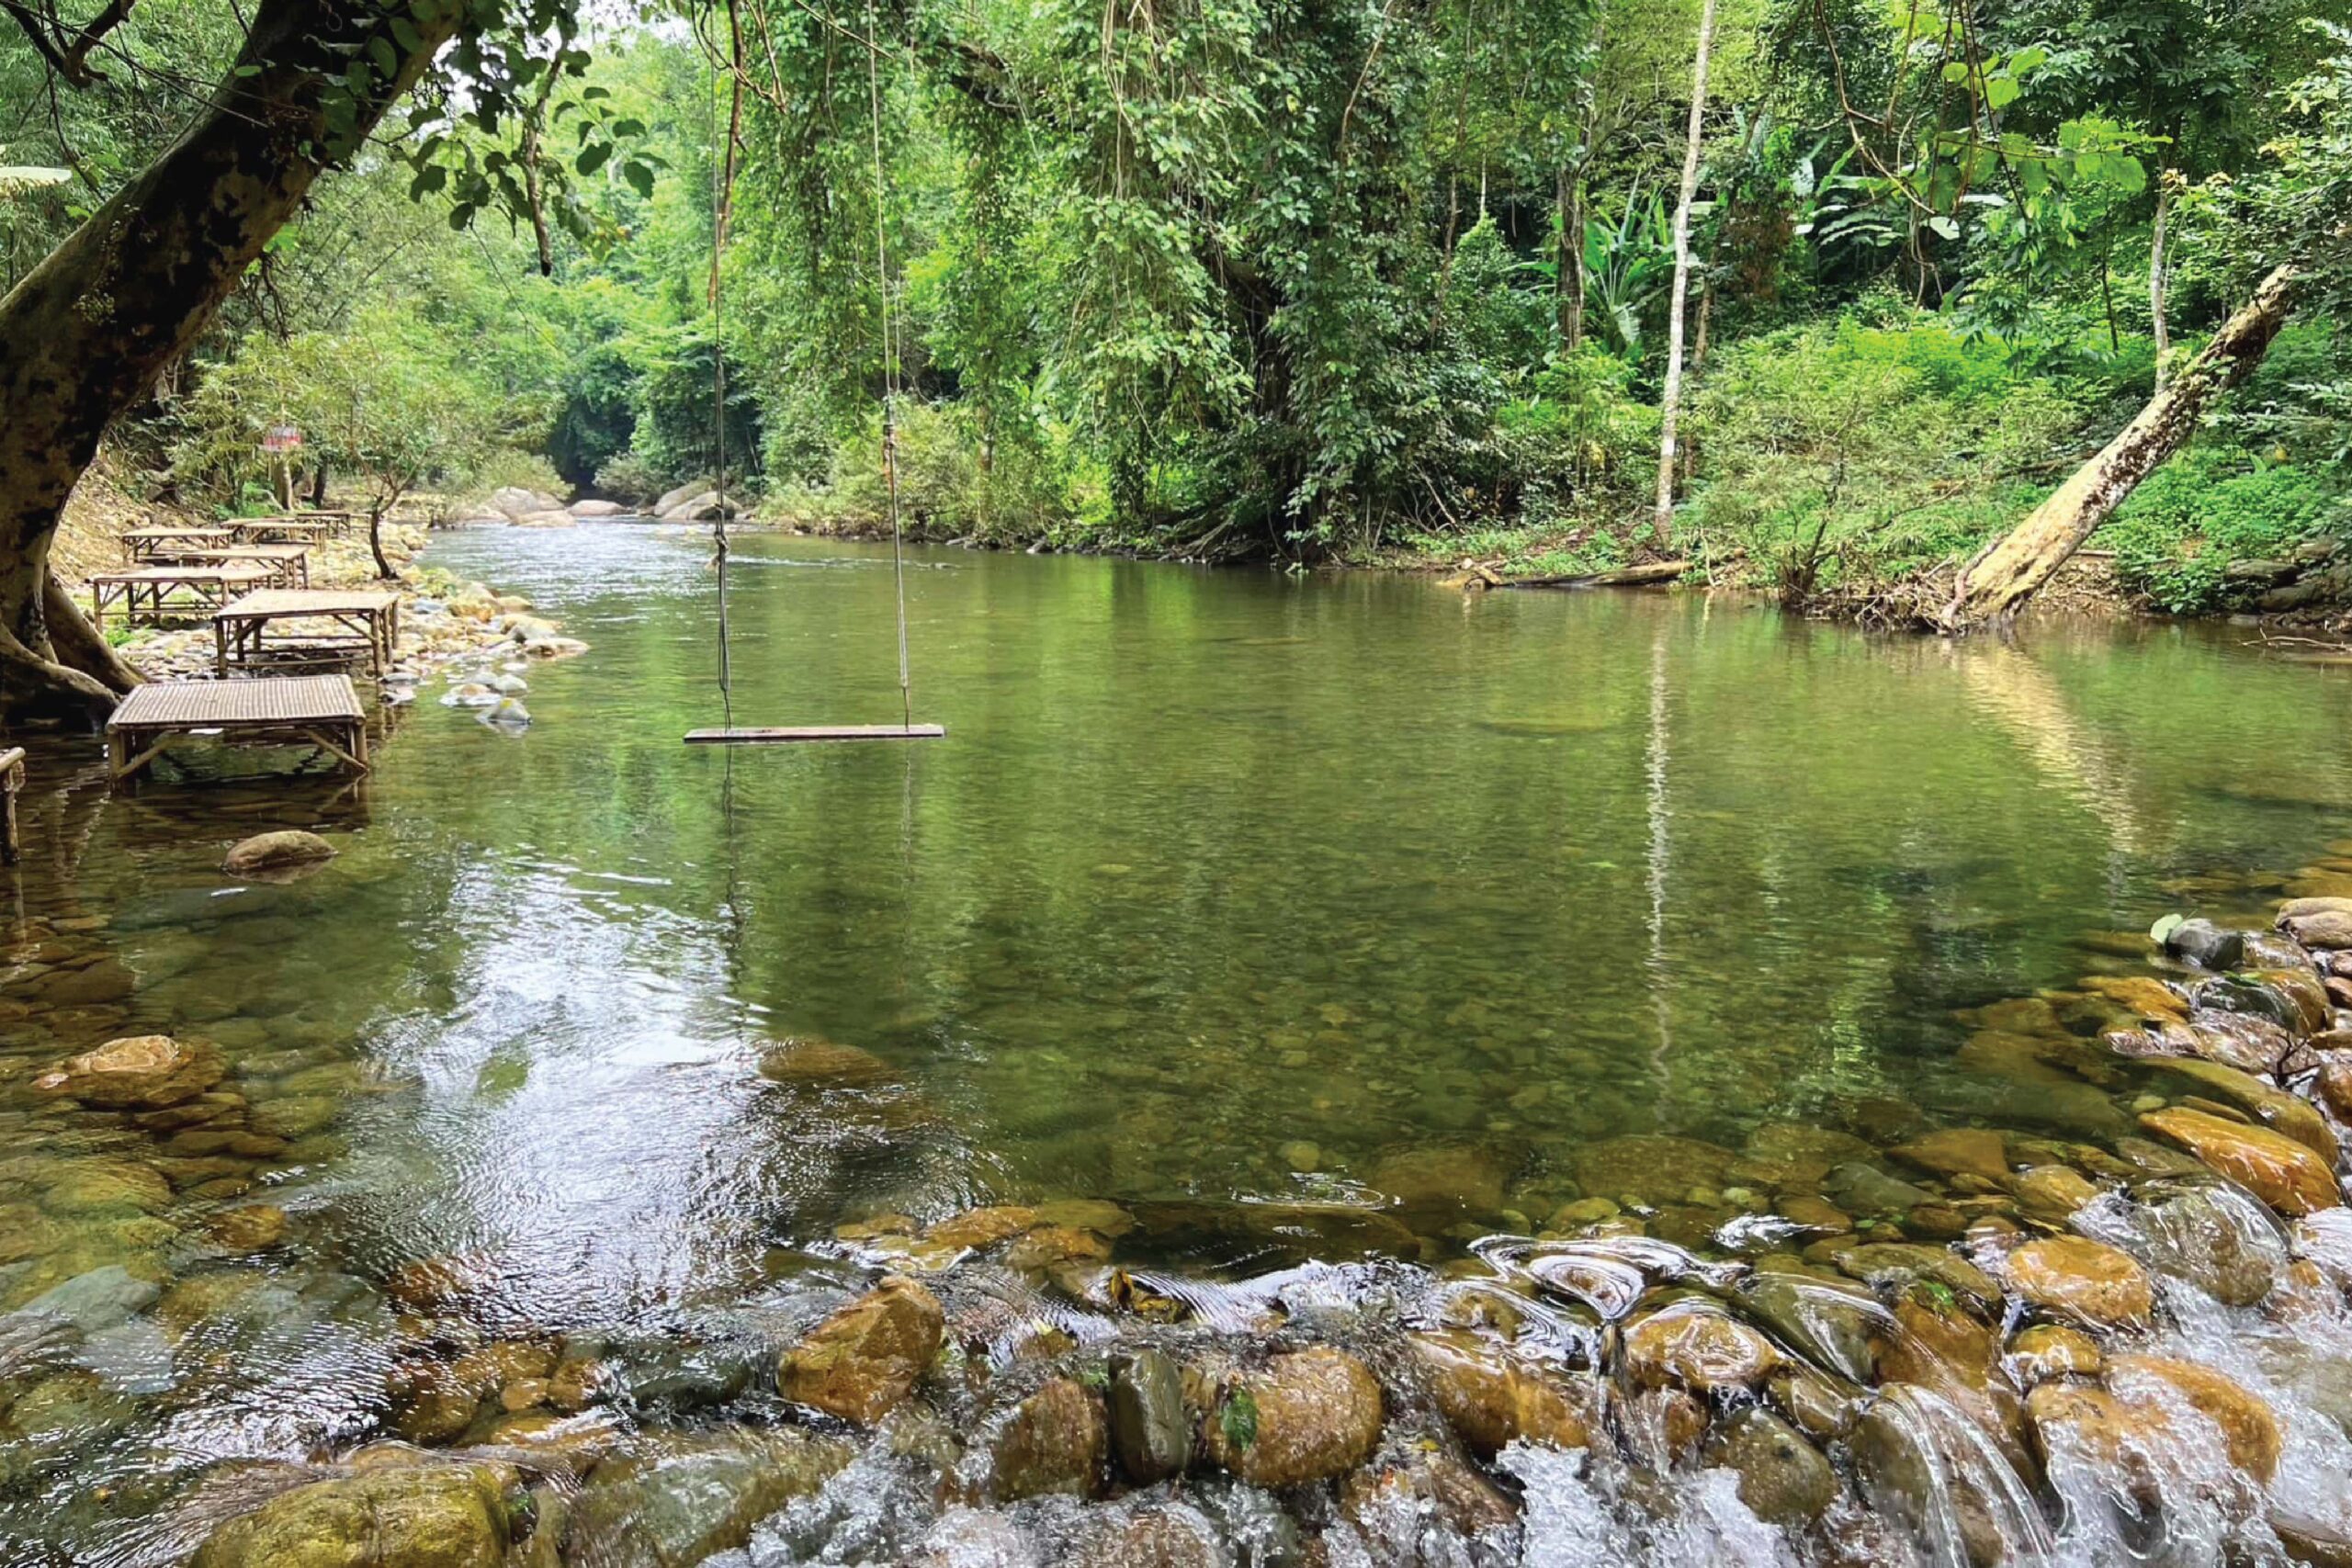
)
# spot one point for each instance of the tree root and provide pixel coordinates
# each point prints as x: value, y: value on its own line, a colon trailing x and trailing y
x: 78, y: 644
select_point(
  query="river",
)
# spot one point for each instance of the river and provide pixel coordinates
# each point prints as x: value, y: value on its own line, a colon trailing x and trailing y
x: 1307, y: 918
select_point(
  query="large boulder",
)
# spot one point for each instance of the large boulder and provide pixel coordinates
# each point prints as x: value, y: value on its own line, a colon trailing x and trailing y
x: 142, y: 1072
x: 676, y: 1499
x: 515, y: 503
x: 868, y: 1356
x: 598, y: 509
x: 418, y: 1517
x: 678, y: 497
x: 281, y: 850
x: 699, y: 508
x: 2273, y: 1167
x: 1307, y: 1417
x: 1782, y: 1478
x: 547, y: 517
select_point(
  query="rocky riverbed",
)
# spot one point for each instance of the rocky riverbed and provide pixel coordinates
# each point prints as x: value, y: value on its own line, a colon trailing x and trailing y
x: 2113, y: 1327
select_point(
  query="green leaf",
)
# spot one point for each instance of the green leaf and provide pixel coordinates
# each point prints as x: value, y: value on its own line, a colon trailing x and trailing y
x: 1238, y: 1419
x: 430, y: 178
x: 380, y: 50
x: 2000, y: 92
x: 640, y: 177
x: 2163, y: 928
x: 592, y: 158
x: 461, y: 215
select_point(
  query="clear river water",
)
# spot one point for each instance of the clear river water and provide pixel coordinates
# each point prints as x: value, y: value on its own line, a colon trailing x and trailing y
x: 1304, y: 917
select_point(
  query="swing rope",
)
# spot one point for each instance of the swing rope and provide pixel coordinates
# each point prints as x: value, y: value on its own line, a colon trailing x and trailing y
x: 723, y: 174
x: 889, y: 364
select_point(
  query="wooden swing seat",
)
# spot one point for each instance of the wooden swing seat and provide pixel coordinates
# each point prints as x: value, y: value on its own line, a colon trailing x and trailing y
x: 817, y: 732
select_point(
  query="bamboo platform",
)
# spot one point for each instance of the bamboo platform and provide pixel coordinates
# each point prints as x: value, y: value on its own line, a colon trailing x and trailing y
x: 315, y: 710
x: 157, y: 542
x: 367, y: 621
x: 282, y: 530
x: 155, y: 591
x: 289, y: 563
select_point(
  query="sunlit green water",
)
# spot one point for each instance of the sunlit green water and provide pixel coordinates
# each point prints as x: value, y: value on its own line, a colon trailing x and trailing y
x: 1211, y: 866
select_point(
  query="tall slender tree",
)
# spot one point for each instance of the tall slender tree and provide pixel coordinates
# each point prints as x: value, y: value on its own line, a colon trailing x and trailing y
x: 1671, y: 407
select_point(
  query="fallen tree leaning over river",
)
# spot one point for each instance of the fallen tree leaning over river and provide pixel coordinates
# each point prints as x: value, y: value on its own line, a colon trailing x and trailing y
x: 2009, y: 570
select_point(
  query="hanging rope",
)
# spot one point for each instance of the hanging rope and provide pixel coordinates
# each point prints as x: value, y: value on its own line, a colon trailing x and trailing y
x: 890, y: 366
x: 722, y: 194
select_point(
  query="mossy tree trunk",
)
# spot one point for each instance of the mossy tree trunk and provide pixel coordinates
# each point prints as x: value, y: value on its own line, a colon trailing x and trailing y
x: 87, y: 333
x: 2009, y: 570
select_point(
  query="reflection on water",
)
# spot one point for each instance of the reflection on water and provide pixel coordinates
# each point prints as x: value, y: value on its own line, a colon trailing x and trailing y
x: 1301, y: 918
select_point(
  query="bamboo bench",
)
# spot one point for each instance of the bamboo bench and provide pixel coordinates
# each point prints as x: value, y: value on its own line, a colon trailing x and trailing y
x: 157, y: 542
x: 289, y: 563
x: 315, y: 710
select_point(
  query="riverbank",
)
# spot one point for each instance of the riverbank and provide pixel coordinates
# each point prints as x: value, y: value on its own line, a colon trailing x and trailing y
x: 445, y: 620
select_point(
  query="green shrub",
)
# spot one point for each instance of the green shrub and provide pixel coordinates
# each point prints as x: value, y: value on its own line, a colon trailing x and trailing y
x: 2176, y: 537
x: 1844, y: 457
x: 626, y: 476
x: 503, y: 467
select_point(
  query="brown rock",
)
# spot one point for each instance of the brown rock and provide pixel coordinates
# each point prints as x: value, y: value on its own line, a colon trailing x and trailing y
x: 1956, y: 1151
x: 1698, y: 1349
x: 1451, y: 1179
x: 2274, y: 1108
x: 1307, y: 1417
x: 2143, y: 994
x: 276, y: 851
x: 143, y: 1072
x: 2273, y: 1167
x: 1782, y: 1478
x: 2335, y: 1085
x: 983, y: 1227
x: 2053, y: 1191
x: 249, y: 1229
x: 1650, y: 1167
x: 2046, y: 1350
x: 2083, y: 1278
x: 2324, y: 928
x: 1050, y: 1245
x: 868, y: 1356
x: 2247, y: 1426
x: 1053, y: 1442
x: 2090, y: 1422
x: 812, y: 1061
x: 1492, y: 1399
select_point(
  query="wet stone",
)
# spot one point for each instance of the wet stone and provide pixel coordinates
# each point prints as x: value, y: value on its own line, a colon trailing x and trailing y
x: 2276, y: 1169
x: 1491, y: 1399
x: 1782, y: 1477
x: 1309, y: 1415
x: 140, y: 1073
x: 865, y: 1357
x: 1053, y: 1441
x: 2050, y: 1351
x: 1149, y: 1430
x: 2082, y: 1279
x: 416, y: 1518
x: 1700, y: 1351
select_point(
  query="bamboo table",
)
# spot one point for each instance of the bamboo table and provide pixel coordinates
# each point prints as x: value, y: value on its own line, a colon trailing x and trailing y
x: 339, y: 523
x: 290, y: 564
x: 280, y: 530
x: 365, y: 618
x: 315, y: 710
x: 157, y: 542
x: 152, y: 589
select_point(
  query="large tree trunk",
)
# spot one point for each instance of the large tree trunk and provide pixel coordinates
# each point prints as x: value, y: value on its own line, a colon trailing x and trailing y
x: 2007, y: 572
x: 86, y: 333
x: 1671, y: 403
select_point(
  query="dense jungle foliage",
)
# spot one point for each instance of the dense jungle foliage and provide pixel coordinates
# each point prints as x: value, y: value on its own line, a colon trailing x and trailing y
x: 1288, y: 277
